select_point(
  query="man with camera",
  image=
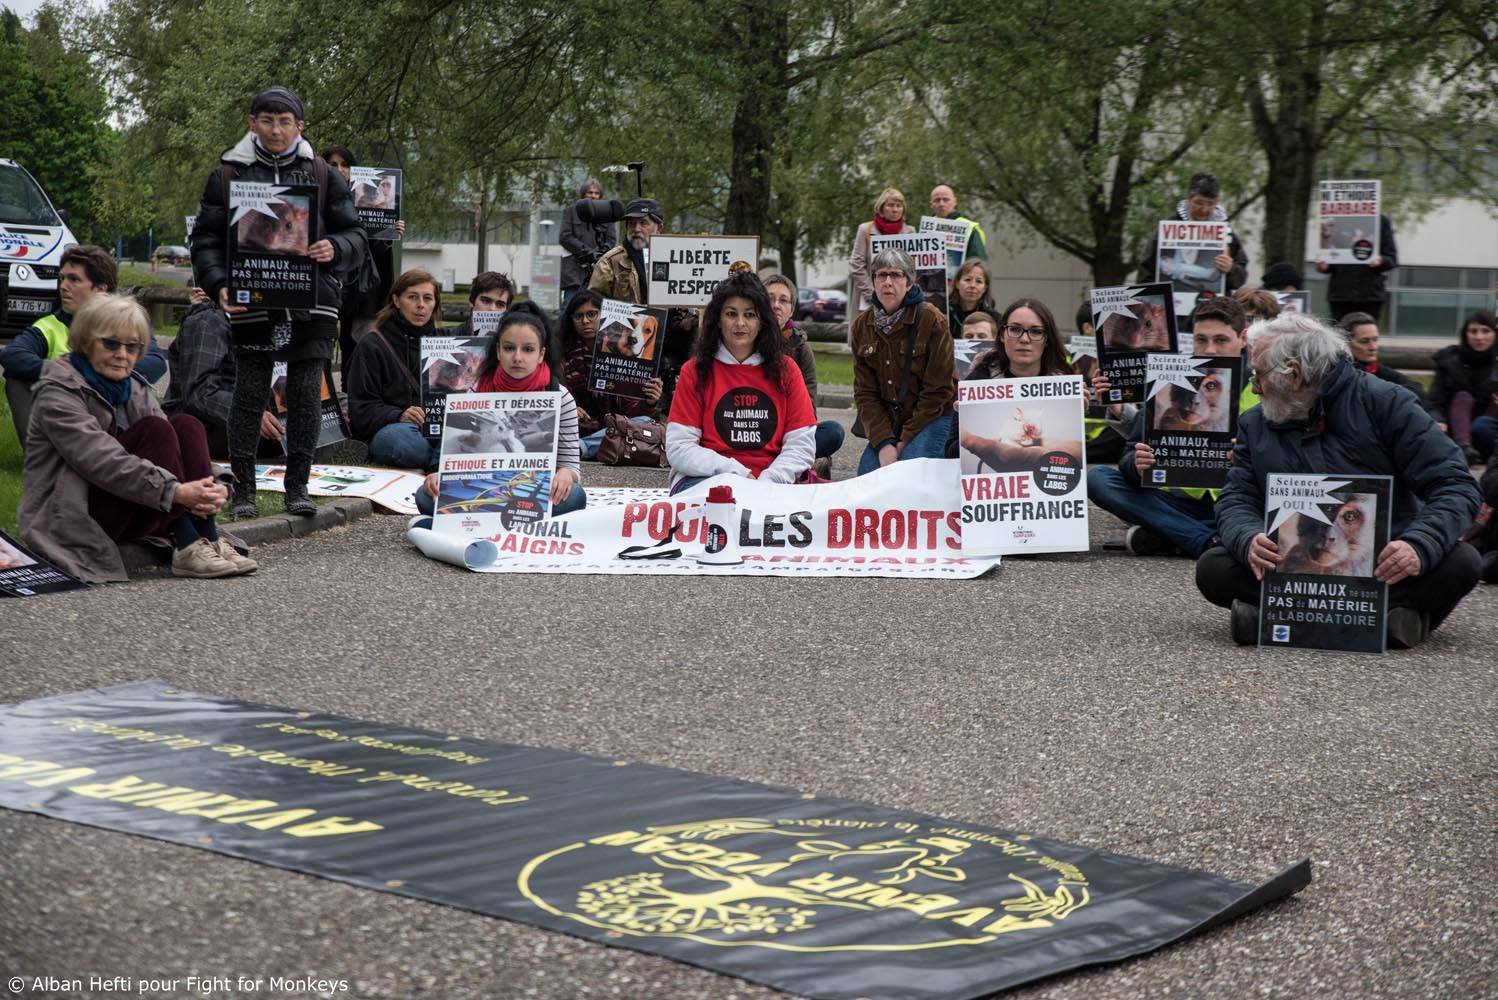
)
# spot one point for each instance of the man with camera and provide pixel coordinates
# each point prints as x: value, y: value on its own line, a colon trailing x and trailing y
x: 584, y: 241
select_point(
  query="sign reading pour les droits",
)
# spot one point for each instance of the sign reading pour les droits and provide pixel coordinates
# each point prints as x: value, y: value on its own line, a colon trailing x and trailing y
x: 821, y: 897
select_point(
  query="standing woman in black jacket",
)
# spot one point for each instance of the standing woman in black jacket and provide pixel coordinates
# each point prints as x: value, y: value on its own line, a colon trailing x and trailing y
x: 273, y: 151
x: 1464, y: 387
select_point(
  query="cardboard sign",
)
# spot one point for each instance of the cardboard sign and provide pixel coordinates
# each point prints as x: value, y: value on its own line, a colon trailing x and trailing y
x: 270, y: 228
x: 499, y: 453
x: 1348, y: 220
x: 1131, y: 322
x: 684, y: 270
x: 377, y: 199
x: 1190, y: 419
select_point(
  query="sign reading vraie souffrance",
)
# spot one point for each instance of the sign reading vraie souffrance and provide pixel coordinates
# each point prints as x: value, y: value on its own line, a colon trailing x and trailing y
x: 821, y: 897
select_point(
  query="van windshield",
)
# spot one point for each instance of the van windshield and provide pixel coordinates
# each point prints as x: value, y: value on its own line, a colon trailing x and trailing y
x: 22, y: 202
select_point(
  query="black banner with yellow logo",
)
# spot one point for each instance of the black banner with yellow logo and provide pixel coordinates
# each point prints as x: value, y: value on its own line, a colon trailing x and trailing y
x: 822, y: 897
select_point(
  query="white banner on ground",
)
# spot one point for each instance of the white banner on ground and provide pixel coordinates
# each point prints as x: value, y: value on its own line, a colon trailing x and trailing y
x: 389, y: 488
x: 901, y: 521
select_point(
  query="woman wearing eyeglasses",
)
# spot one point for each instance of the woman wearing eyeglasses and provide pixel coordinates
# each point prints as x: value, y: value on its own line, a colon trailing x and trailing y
x: 1029, y: 344
x: 104, y: 464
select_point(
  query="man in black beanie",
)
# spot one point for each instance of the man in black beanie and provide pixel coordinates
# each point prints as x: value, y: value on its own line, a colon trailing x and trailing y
x: 274, y: 152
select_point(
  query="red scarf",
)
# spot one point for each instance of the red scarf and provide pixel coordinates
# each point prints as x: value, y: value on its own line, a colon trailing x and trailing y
x: 889, y: 228
x: 499, y: 380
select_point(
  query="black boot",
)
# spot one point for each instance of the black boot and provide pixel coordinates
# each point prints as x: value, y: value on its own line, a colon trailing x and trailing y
x: 1245, y: 623
x: 242, y: 503
x: 298, y: 470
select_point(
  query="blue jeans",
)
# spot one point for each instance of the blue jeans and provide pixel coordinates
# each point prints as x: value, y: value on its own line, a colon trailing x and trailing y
x: 1485, y: 435
x: 590, y: 444
x: 930, y: 442
x: 404, y: 446
x: 1190, y: 524
x: 830, y: 436
x: 576, y: 500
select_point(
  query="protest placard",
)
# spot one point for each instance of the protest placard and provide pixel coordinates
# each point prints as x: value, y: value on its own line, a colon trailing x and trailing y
x: 191, y: 220
x: 1186, y: 255
x: 966, y: 352
x: 955, y: 234
x: 334, y: 427
x: 269, y: 232
x: 1293, y: 302
x: 377, y: 200
x: 499, y: 453
x: 22, y: 574
x: 450, y: 364
x: 391, y: 489
x: 1131, y: 321
x: 627, y: 349
x: 1190, y: 418
x: 929, y: 254
x: 546, y: 281
x: 1023, y: 466
x: 1348, y: 218
x: 1329, y: 531
x: 684, y: 270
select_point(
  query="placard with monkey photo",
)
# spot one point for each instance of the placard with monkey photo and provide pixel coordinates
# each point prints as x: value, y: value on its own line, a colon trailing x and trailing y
x: 1190, y: 418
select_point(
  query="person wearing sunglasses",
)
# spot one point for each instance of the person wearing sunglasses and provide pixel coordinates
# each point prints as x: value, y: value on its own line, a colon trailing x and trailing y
x: 105, y: 465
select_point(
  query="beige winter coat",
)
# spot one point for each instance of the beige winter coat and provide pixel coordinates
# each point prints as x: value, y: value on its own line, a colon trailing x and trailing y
x: 70, y: 445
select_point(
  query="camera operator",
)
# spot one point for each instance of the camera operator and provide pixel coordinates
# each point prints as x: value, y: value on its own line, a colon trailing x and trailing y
x: 623, y: 274
x: 584, y: 242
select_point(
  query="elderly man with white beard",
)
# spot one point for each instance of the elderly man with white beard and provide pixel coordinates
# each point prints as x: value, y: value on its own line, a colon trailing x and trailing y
x: 1321, y: 416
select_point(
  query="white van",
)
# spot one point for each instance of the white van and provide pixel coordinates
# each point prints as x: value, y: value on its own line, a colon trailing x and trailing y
x: 32, y: 238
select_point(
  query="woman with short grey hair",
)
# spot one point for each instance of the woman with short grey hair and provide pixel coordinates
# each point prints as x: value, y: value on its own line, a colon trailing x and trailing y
x: 903, y: 373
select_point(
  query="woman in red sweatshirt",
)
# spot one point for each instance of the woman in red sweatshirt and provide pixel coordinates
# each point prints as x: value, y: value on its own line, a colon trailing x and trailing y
x: 741, y: 406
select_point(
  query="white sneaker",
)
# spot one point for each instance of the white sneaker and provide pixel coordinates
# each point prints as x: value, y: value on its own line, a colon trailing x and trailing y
x: 241, y: 564
x: 201, y: 561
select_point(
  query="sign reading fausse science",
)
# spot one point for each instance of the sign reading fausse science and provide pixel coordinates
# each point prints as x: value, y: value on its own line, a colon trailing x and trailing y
x: 820, y: 897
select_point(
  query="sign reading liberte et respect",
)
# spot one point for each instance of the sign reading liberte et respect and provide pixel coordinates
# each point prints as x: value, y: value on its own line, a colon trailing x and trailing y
x: 684, y: 270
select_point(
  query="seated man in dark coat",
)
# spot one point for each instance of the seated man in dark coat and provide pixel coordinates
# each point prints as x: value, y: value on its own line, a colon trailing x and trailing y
x: 1320, y: 415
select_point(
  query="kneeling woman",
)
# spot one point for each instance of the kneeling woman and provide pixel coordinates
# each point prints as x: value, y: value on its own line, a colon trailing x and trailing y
x: 520, y: 360
x: 104, y: 464
x: 741, y: 407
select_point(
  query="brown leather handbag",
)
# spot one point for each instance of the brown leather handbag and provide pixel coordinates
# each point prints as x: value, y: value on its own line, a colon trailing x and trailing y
x: 632, y: 442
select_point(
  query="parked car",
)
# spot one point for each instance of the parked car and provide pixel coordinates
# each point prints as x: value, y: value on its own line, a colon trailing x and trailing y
x: 821, y: 305
x: 173, y: 256
x: 33, y: 236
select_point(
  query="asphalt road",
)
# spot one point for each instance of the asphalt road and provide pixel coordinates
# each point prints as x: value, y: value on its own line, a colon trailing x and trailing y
x: 1096, y: 699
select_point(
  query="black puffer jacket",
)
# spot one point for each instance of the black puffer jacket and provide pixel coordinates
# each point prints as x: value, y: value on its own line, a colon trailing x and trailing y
x: 384, y: 376
x: 1458, y: 368
x: 337, y: 222
x: 1359, y: 282
x: 1359, y: 426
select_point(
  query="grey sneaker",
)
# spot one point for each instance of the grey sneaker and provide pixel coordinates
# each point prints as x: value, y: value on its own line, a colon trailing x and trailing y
x: 241, y: 564
x: 201, y: 561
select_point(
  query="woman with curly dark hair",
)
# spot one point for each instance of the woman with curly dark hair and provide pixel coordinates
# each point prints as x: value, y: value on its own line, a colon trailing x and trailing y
x: 741, y: 406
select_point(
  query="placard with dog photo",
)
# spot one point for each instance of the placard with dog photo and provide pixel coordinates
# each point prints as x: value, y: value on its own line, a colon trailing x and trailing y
x: 627, y: 349
x: 449, y: 364
x: 499, y: 452
x: 928, y: 251
x: 22, y: 574
x: 270, y: 229
x: 1023, y: 465
x: 1132, y: 322
x: 377, y: 200
x: 1329, y: 531
x: 1190, y: 418
x: 334, y: 423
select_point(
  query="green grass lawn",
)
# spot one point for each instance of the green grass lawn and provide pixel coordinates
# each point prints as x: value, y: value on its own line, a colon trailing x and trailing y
x: 834, y: 368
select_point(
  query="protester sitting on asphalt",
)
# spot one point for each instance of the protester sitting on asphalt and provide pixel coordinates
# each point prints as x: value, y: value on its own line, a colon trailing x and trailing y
x: 830, y: 433
x: 1173, y: 521
x: 384, y: 378
x: 1361, y: 331
x: 1202, y: 204
x: 274, y: 152
x: 903, y: 374
x: 980, y: 324
x: 83, y: 272
x: 888, y: 220
x: 202, y: 382
x: 622, y: 274
x: 577, y: 329
x: 490, y: 291
x: 741, y: 407
x: 971, y: 292
x: 1320, y: 416
x: 520, y: 360
x: 1029, y: 345
x: 1257, y: 304
x: 1464, y: 389
x: 105, y: 465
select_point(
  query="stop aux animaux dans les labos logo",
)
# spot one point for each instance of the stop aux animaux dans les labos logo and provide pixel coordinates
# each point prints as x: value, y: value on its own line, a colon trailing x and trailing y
x: 809, y: 884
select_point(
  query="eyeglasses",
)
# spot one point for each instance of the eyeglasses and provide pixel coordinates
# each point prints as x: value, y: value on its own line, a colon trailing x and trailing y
x: 586, y: 315
x: 282, y: 122
x: 130, y: 347
x: 888, y: 275
x: 1256, y: 377
x: 1016, y: 332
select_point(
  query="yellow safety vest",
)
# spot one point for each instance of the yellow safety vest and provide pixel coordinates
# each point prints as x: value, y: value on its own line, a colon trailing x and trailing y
x: 56, y: 333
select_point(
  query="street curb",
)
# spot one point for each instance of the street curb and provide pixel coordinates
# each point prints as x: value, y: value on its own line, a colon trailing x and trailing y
x: 835, y: 400
x: 261, y: 531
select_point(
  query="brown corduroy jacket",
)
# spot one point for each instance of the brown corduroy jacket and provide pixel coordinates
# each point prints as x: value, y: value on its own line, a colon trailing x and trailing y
x: 877, y: 362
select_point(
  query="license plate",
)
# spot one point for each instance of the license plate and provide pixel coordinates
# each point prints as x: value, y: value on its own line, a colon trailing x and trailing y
x: 31, y: 307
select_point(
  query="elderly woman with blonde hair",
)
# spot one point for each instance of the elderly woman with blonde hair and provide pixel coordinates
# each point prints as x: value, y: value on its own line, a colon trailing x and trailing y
x: 104, y: 464
x: 888, y: 220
